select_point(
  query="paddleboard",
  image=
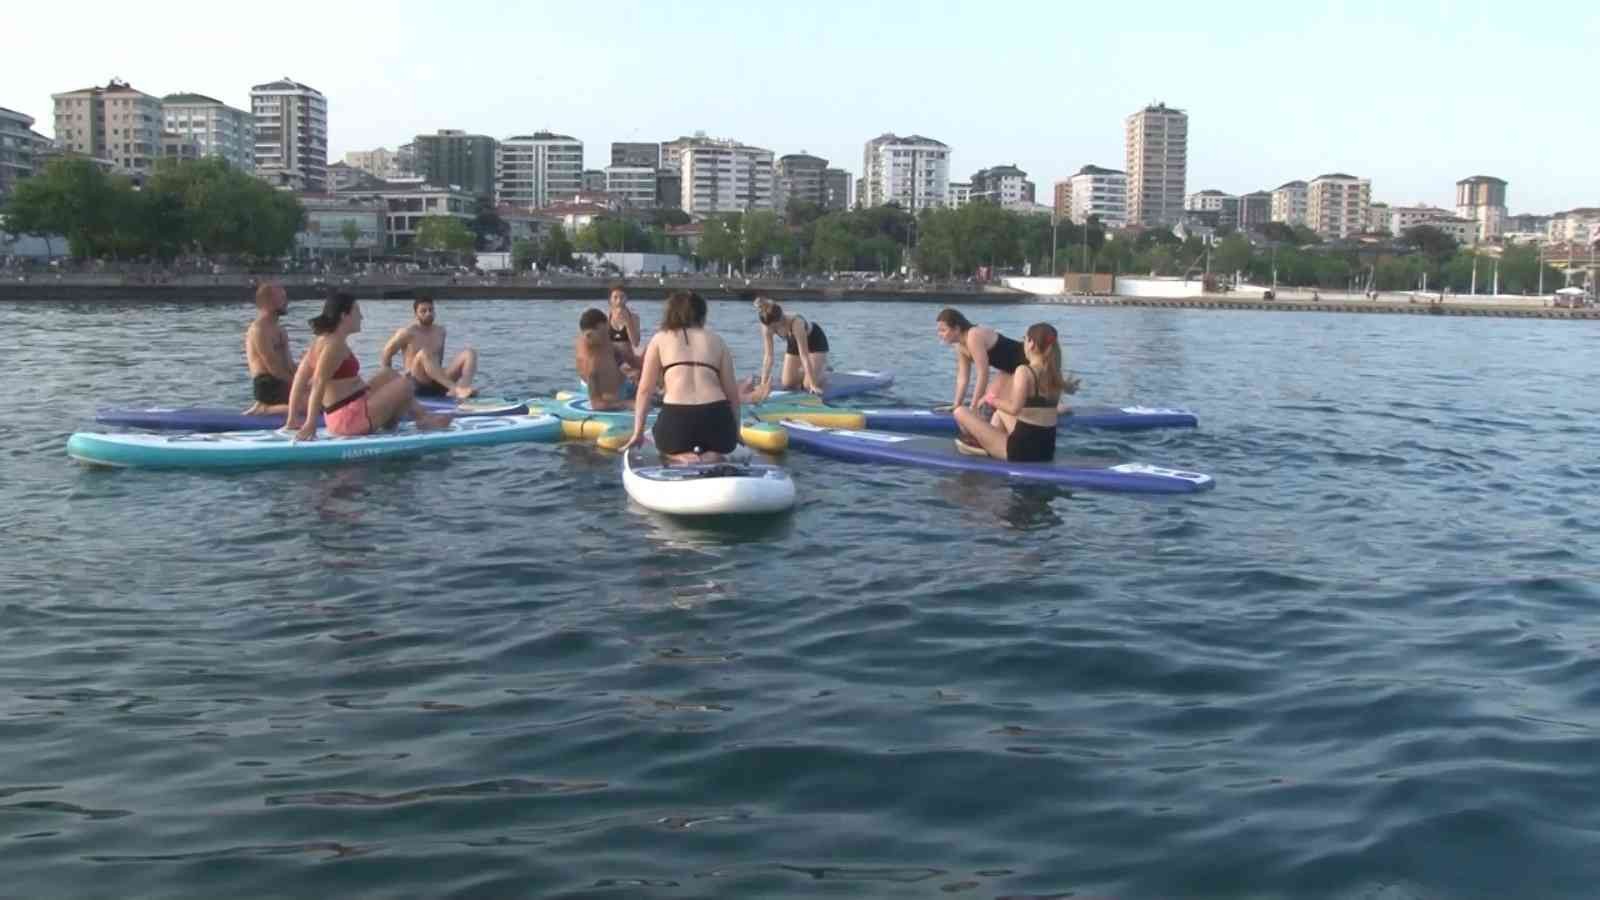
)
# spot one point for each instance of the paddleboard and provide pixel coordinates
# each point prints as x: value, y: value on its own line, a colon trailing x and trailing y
x: 940, y: 453
x: 840, y: 385
x: 1120, y: 418
x: 213, y: 418
x: 240, y: 449
x: 711, y: 489
x: 611, y: 428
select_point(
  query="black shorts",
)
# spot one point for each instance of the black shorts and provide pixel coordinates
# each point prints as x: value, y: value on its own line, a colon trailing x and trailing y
x: 696, y: 428
x: 269, y: 389
x: 427, y: 387
x: 1031, y: 443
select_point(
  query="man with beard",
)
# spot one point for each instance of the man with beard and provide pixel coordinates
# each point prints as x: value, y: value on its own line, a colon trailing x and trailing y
x: 266, y: 352
x: 421, y: 349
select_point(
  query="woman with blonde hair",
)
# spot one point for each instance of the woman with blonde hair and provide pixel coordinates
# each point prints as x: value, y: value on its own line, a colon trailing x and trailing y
x: 1027, y: 414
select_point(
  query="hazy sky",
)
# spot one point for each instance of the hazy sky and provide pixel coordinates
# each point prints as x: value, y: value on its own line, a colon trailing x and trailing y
x: 1410, y: 93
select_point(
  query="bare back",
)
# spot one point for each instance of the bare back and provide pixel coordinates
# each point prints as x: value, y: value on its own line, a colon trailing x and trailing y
x: 266, y: 349
x: 692, y: 362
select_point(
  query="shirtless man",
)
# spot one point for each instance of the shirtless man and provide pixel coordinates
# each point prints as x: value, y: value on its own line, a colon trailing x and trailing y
x: 421, y: 346
x: 597, y: 362
x: 266, y: 352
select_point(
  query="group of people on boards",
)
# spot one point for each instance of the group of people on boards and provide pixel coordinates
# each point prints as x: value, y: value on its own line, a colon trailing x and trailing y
x: 685, y: 370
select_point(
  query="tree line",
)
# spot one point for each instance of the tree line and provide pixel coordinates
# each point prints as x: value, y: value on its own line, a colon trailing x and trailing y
x: 185, y: 206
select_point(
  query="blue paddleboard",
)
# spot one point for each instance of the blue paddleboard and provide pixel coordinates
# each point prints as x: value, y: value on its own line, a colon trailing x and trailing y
x: 1119, y: 418
x: 213, y: 418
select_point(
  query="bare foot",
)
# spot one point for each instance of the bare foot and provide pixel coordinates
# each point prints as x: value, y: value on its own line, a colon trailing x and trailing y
x: 253, y: 410
x: 432, y: 422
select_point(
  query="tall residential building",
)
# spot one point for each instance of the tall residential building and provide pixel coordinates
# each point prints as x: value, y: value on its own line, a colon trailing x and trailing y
x: 1482, y: 198
x: 115, y: 123
x: 1224, y: 204
x: 215, y: 128
x: 20, y: 147
x: 799, y: 177
x: 593, y: 181
x: 379, y: 163
x: 1575, y: 226
x: 1006, y: 186
x: 291, y: 135
x: 1406, y: 217
x: 1255, y: 210
x: 1377, y: 217
x: 536, y: 170
x: 635, y: 155
x: 1062, y: 206
x: 724, y: 176
x: 450, y: 157
x: 958, y: 194
x: 1102, y: 193
x: 1289, y: 203
x: 669, y: 189
x: 835, y: 189
x: 913, y: 172
x: 1336, y: 204
x: 635, y: 186
x: 1157, y: 143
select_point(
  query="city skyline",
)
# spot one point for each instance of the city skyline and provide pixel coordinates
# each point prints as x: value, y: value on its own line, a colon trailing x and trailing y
x: 783, y: 80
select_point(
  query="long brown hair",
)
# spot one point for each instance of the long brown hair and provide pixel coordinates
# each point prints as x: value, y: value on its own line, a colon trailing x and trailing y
x: 683, y: 313
x: 953, y: 318
x: 1050, y: 382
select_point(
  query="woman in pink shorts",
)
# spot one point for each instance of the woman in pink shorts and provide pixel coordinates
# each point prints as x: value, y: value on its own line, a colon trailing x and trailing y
x: 349, y: 405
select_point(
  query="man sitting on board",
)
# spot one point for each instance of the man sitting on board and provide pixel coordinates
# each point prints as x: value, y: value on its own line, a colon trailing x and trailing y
x: 266, y: 352
x: 421, y: 346
x: 597, y: 362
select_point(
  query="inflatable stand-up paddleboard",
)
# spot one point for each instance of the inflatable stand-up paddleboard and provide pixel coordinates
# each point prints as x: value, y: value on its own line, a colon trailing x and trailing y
x: 1118, y: 418
x: 212, y: 418
x: 709, y: 489
x: 610, y: 429
x: 840, y: 386
x: 244, y: 449
x: 941, y: 453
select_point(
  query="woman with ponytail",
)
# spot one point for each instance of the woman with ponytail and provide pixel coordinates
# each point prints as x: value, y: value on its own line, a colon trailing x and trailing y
x: 979, y: 347
x: 1026, y: 431
x: 334, y: 387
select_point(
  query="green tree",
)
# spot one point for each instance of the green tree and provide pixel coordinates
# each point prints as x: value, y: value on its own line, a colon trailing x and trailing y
x: 522, y: 255
x: 720, y: 241
x: 800, y: 213
x: 1233, y: 254
x: 760, y: 236
x: 833, y: 245
x: 556, y: 249
x: 72, y: 197
x: 489, y: 230
x: 351, y: 232
x: 445, y: 234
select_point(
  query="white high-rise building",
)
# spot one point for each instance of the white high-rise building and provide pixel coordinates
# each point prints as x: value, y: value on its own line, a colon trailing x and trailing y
x: 959, y: 194
x: 291, y: 135
x: 1289, y: 203
x: 724, y: 176
x: 115, y: 123
x: 1156, y: 140
x: 1336, y: 204
x: 533, y: 171
x: 379, y: 163
x: 912, y: 172
x: 1102, y: 193
x: 214, y: 127
x: 633, y: 185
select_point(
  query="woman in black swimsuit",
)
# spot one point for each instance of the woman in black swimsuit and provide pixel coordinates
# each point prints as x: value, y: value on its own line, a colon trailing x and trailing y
x: 622, y: 326
x: 805, y: 357
x: 1027, y: 412
x: 979, y: 347
x: 699, y: 417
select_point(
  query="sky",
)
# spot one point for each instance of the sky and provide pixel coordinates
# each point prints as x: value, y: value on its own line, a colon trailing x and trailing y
x: 1413, y: 94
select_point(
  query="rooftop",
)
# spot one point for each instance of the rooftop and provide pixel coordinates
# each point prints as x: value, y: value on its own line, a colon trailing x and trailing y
x: 191, y: 99
x: 1331, y: 175
x: 286, y: 84
x: 910, y: 140
x: 1290, y: 184
x: 1481, y: 178
x: 1100, y: 170
x: 13, y: 114
x: 542, y: 136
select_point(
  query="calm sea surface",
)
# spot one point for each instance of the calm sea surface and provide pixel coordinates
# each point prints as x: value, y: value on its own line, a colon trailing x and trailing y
x: 1365, y: 666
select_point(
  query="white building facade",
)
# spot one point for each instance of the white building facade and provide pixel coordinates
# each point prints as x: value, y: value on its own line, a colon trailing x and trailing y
x: 1336, y: 204
x: 1100, y: 192
x: 291, y: 121
x: 723, y: 176
x: 1289, y: 203
x: 115, y: 123
x: 912, y: 172
x: 215, y: 128
x: 1156, y: 141
x: 633, y: 185
x: 533, y: 171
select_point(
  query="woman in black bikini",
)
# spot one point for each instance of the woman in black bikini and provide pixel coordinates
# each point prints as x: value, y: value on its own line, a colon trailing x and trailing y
x: 805, y: 357
x: 699, y: 417
x: 979, y: 347
x: 1027, y: 412
x: 622, y: 326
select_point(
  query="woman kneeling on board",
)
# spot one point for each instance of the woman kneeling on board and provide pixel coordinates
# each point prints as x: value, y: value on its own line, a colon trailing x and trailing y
x: 699, y: 417
x: 1027, y: 411
x: 352, y: 406
x: 805, y: 356
x: 979, y: 347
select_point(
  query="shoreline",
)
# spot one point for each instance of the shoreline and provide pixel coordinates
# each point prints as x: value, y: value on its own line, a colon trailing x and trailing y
x: 238, y: 288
